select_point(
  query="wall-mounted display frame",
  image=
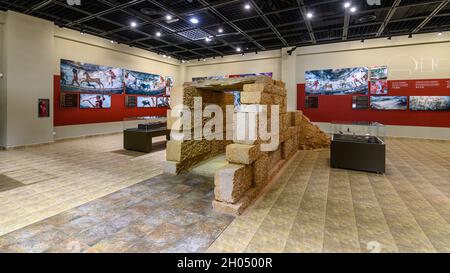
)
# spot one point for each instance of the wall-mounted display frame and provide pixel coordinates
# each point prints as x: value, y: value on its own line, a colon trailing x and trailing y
x: 169, y: 85
x: 43, y: 108
x: 429, y: 103
x: 311, y: 102
x: 344, y: 81
x: 69, y: 100
x: 389, y: 102
x: 90, y: 78
x: 379, y: 72
x: 131, y: 101
x: 146, y: 102
x: 138, y: 83
x: 163, y: 102
x: 379, y: 87
x: 95, y: 101
x: 360, y: 102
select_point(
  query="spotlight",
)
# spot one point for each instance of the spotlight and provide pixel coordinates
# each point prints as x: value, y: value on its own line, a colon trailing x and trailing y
x: 309, y: 15
x: 207, y: 39
x: 220, y: 30
x: 243, y: 54
x: 133, y: 24
x: 347, y: 5
x: 194, y: 20
x: 169, y: 17
x: 440, y: 33
x: 82, y: 32
x: 256, y: 52
x: 158, y: 34
x: 247, y: 6
x: 198, y: 59
x: 170, y: 57
x: 389, y: 38
x: 112, y: 41
x: 164, y: 56
x: 183, y: 61
x: 238, y: 49
x: 362, y: 40
x: 204, y: 60
x: 353, y: 9
x: 410, y: 35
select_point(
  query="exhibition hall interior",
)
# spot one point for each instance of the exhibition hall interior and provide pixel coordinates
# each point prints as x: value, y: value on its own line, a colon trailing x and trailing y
x: 213, y: 126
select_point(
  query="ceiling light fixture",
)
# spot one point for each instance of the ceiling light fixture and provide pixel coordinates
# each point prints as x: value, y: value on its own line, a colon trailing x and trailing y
x: 194, y: 20
x: 164, y: 56
x: 220, y: 30
x: 247, y: 6
x: 347, y: 5
x: 133, y: 24
x: 158, y: 34
x: 410, y: 35
x: 170, y: 57
x: 169, y: 17
x: 353, y: 9
x: 440, y: 33
x: 112, y: 41
x: 207, y: 39
x: 309, y: 15
x: 238, y: 49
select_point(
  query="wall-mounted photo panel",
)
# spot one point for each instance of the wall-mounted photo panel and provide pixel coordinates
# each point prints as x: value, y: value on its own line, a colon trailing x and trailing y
x: 311, y: 102
x: 389, y: 102
x: 379, y: 87
x: 69, y: 100
x: 163, y: 102
x: 169, y: 85
x: 95, y: 101
x: 343, y: 81
x: 44, y: 108
x: 146, y: 102
x: 138, y: 83
x: 84, y: 77
x: 360, y: 102
x: 379, y: 73
x: 429, y: 103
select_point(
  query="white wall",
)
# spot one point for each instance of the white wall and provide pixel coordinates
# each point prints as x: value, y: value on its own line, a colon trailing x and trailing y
x: 28, y: 51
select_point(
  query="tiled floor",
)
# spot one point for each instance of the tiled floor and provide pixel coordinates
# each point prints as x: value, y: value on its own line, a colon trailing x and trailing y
x: 42, y: 181
x: 313, y: 208
x: 164, y: 214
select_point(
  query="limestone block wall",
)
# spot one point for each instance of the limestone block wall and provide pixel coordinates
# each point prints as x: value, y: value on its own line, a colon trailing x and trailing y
x: 249, y: 168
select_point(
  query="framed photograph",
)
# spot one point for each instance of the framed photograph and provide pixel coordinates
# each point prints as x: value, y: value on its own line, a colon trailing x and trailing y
x: 43, y: 108
x: 345, y: 81
x: 379, y: 87
x: 146, y: 102
x: 95, y: 101
x: 379, y: 73
x: 163, y: 102
x: 429, y: 103
x: 139, y: 83
x: 389, y: 102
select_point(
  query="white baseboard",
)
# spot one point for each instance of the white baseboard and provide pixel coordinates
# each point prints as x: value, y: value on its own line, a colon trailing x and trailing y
x: 436, y: 133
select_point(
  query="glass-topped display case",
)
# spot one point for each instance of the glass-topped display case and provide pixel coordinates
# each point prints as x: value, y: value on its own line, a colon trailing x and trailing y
x: 148, y: 123
x: 358, y: 146
x: 367, y: 132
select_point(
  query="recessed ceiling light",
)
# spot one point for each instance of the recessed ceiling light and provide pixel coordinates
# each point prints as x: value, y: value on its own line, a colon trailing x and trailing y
x: 247, y: 6
x: 133, y: 24
x: 347, y: 5
x: 309, y: 15
x: 169, y: 17
x: 353, y: 9
x: 238, y: 49
x: 220, y: 30
x: 207, y: 39
x: 194, y: 20
x: 158, y: 34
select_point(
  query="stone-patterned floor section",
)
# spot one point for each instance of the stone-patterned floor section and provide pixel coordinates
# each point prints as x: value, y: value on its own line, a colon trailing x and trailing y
x: 313, y: 208
x: 42, y: 181
x: 164, y: 214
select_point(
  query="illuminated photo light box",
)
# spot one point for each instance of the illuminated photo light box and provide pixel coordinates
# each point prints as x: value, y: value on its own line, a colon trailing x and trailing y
x: 95, y: 101
x: 429, y: 103
x: 343, y: 81
x: 389, y: 102
x: 146, y: 102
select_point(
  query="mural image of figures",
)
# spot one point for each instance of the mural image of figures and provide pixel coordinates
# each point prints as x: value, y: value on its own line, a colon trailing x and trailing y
x: 146, y: 102
x: 429, y: 103
x: 169, y: 85
x: 163, y: 102
x: 268, y: 74
x: 138, y: 83
x: 379, y: 87
x: 95, y: 101
x: 389, y: 103
x: 379, y: 73
x: 84, y: 77
x: 343, y: 81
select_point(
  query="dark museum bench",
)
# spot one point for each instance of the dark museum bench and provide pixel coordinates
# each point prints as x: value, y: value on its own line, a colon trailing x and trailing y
x: 140, y: 140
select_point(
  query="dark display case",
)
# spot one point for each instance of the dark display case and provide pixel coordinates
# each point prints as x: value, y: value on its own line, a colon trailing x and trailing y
x: 139, y: 132
x: 358, y: 146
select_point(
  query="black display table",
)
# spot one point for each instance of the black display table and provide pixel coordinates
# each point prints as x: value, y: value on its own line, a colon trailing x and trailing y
x: 363, y: 153
x: 140, y: 140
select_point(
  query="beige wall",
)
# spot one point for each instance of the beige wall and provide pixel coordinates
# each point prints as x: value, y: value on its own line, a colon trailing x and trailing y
x: 28, y: 51
x: 2, y: 83
x: 269, y: 61
x: 425, y: 56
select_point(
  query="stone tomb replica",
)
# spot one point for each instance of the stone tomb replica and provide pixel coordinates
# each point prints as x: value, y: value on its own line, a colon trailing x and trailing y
x: 249, y: 167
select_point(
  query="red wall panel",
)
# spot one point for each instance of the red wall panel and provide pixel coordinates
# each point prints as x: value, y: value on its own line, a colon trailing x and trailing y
x: 339, y: 107
x: 117, y: 112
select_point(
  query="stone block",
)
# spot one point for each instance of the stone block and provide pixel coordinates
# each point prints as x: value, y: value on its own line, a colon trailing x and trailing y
x: 231, y: 182
x: 261, y: 171
x: 172, y: 167
x: 288, y: 148
x: 275, y: 157
x: 256, y: 98
x: 242, y: 154
x: 184, y: 150
x: 256, y: 87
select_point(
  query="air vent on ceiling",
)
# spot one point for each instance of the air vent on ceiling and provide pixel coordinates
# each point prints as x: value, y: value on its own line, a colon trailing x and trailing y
x: 367, y: 18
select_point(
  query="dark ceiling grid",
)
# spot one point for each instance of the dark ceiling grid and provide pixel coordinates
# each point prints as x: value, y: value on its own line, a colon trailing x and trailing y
x: 269, y: 24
